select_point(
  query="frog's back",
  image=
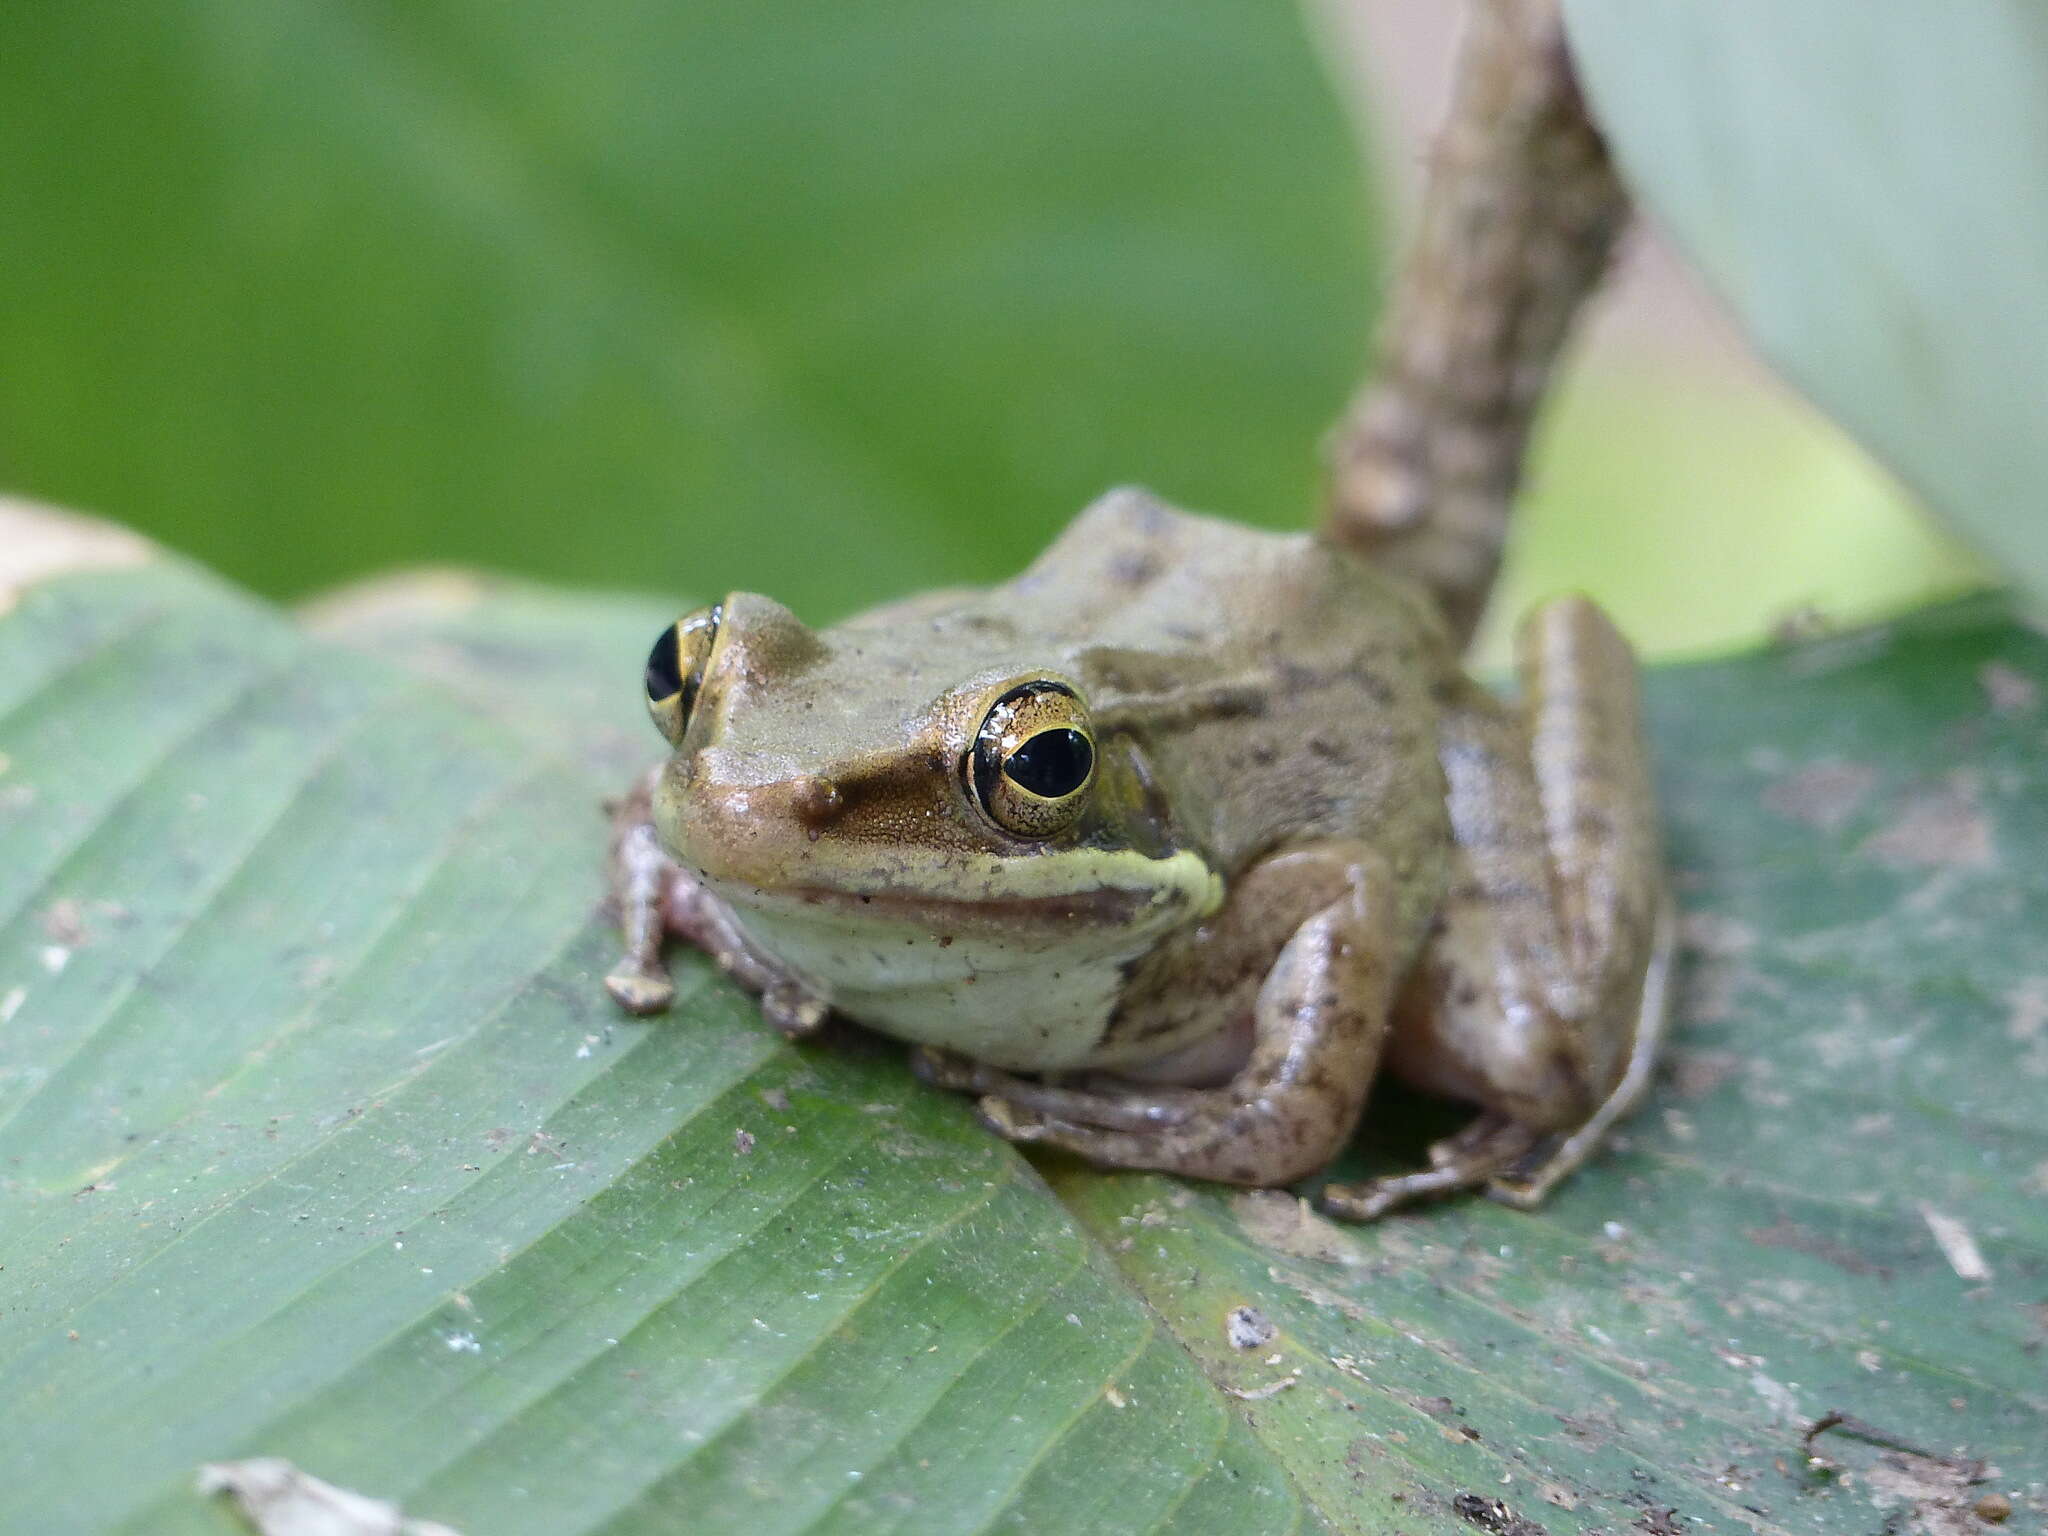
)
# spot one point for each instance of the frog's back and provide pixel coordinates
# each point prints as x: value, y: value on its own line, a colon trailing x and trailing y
x: 1308, y: 682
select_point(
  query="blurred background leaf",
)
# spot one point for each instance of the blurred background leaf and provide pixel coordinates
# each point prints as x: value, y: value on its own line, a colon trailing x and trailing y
x: 833, y: 299
x: 832, y: 302
x: 1863, y: 185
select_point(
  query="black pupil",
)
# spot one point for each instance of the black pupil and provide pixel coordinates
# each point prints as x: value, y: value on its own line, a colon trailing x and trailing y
x: 664, y: 667
x: 1052, y: 763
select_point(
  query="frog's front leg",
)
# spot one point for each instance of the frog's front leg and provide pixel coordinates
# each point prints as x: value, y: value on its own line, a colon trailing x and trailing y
x: 655, y: 897
x: 1540, y: 996
x: 1319, y: 1015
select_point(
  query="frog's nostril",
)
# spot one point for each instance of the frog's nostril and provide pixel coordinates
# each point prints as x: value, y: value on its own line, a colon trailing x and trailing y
x: 814, y: 801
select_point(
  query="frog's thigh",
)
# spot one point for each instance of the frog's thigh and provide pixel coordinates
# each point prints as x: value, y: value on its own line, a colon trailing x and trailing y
x: 1319, y: 1020
x: 1540, y: 995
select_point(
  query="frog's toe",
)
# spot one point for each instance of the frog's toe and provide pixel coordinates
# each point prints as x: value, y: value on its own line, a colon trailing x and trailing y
x: 1012, y: 1121
x: 1483, y: 1155
x: 946, y: 1069
x: 793, y: 1009
x: 640, y: 989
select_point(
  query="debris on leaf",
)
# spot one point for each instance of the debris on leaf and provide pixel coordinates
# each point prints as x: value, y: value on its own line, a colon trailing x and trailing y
x: 1275, y: 1219
x: 1260, y: 1394
x: 1494, y: 1516
x: 1937, y: 1492
x: 1823, y: 794
x: 1247, y: 1328
x: 2008, y: 690
x: 1939, y: 826
x: 278, y: 1499
x: 1957, y: 1246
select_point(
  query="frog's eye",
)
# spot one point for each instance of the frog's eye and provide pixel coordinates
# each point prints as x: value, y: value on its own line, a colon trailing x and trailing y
x: 1033, y: 759
x: 675, y: 670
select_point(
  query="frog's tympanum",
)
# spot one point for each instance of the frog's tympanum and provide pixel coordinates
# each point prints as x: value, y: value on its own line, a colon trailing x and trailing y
x: 1169, y: 846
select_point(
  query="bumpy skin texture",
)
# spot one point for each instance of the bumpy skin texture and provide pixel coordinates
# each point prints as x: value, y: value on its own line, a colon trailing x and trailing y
x: 1311, y: 849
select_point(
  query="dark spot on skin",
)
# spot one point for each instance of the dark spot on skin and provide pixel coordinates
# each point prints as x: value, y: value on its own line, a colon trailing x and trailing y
x: 1134, y: 568
x: 1293, y: 677
x: 1370, y: 683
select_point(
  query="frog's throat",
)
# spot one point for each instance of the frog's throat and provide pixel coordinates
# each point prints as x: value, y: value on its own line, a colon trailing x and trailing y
x: 985, y: 914
x: 1021, y: 978
x: 1121, y: 891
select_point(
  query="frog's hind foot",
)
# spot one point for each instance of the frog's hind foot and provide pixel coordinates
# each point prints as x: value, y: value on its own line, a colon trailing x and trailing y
x: 1482, y: 1154
x: 1514, y: 1164
x: 1528, y: 1185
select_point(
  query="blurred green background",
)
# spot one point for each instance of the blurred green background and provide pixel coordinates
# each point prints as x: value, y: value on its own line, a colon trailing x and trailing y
x: 828, y: 301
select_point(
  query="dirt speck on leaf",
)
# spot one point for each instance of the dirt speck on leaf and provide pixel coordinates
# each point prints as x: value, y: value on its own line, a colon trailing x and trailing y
x: 1277, y: 1220
x: 1956, y: 1244
x: 64, y: 923
x: 1938, y: 1495
x: 1822, y: 795
x: 2009, y: 690
x: 1494, y: 1516
x: 277, y: 1499
x: 1247, y: 1328
x: 2027, y: 1010
x: 1785, y: 1233
x: 1994, y: 1508
x: 1938, y: 826
x: 1695, y: 1074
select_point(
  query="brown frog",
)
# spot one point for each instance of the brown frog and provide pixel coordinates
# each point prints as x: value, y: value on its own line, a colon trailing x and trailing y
x: 1200, y: 827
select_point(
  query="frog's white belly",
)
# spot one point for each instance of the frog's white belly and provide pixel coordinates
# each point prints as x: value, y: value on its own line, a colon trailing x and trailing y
x: 1029, y: 1003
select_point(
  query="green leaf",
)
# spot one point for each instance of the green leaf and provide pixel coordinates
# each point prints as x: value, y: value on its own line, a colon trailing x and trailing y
x: 318, y: 1139
x: 873, y: 295
x: 1862, y: 183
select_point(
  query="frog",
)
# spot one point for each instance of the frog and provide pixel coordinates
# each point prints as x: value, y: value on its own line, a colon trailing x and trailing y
x: 1169, y: 847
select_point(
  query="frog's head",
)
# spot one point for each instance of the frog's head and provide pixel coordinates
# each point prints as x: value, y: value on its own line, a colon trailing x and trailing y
x: 882, y: 782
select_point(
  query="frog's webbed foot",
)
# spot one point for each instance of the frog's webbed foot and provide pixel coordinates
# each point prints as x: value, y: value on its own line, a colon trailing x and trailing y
x: 1319, y: 1023
x: 1480, y: 1154
x: 656, y: 897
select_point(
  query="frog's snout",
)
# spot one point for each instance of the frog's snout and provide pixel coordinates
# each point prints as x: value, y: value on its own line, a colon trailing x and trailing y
x: 755, y: 830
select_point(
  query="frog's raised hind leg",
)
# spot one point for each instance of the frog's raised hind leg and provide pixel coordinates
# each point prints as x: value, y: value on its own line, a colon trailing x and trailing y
x: 1541, y: 995
x: 1520, y: 213
x: 1319, y: 1022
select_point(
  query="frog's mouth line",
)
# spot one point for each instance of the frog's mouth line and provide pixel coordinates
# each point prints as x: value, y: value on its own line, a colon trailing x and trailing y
x: 1103, y: 906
